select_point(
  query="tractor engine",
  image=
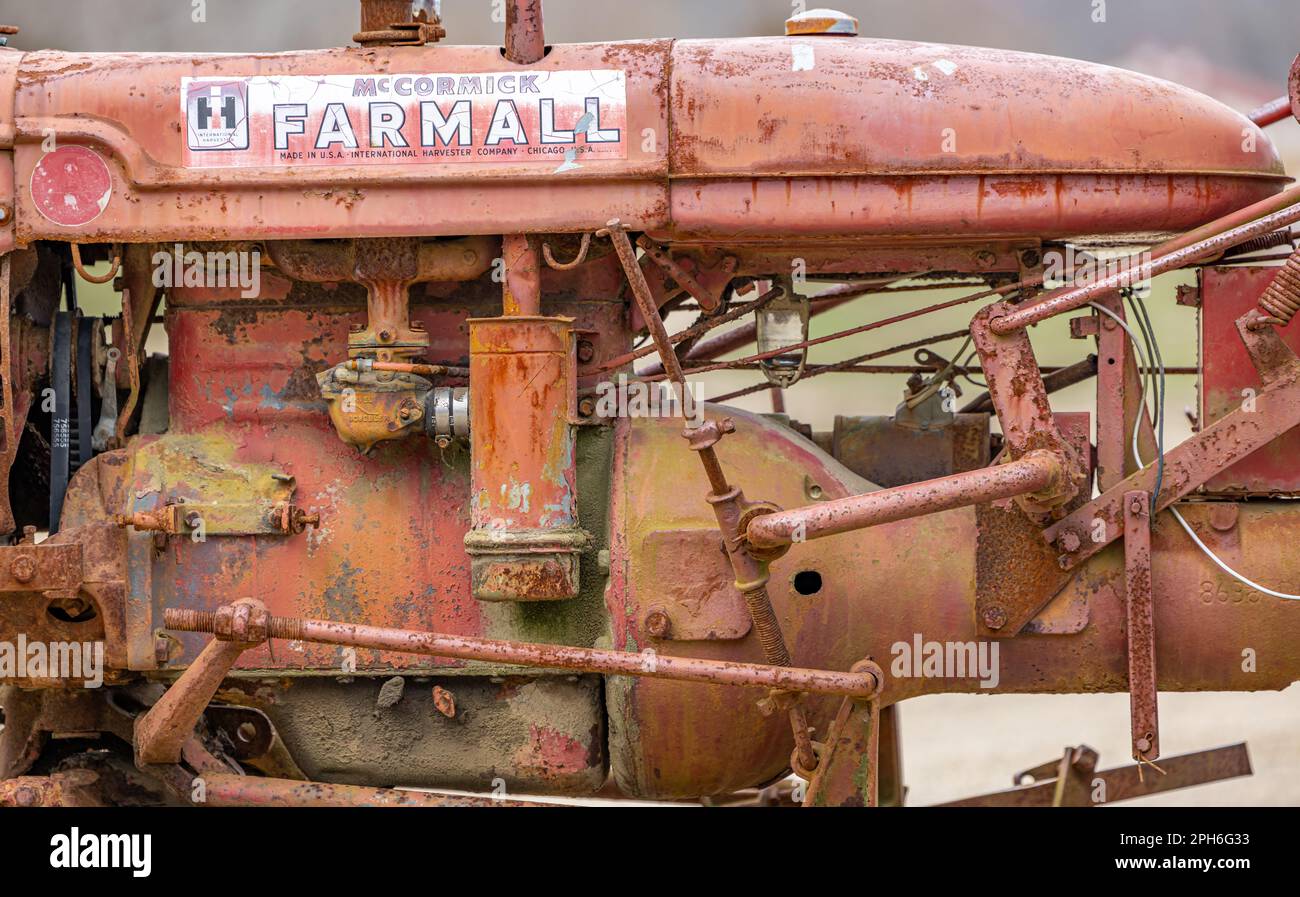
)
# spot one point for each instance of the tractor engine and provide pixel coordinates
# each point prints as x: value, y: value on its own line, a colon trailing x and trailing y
x: 419, y: 493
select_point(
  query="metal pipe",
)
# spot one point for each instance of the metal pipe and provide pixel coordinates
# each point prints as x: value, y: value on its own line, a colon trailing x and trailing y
x: 525, y: 37
x: 522, y: 287
x: 560, y: 657
x: 1034, y: 472
x: 1271, y: 113
x: 1162, y: 260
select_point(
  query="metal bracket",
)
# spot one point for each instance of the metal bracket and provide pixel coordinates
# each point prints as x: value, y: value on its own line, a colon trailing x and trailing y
x: 1141, y: 627
x: 848, y: 767
x: 40, y: 568
x: 247, y: 519
x: 1020, y: 399
x: 1274, y: 411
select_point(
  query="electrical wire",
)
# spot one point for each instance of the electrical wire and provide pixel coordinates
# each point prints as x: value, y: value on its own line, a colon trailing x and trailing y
x: 1153, y: 353
x: 1137, y: 456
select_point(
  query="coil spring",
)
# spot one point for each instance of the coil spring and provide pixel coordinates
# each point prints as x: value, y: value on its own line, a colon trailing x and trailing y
x: 1260, y: 243
x: 1281, y: 300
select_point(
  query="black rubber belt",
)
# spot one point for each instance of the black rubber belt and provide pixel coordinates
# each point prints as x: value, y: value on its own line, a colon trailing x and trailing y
x: 60, y: 433
x: 85, y: 386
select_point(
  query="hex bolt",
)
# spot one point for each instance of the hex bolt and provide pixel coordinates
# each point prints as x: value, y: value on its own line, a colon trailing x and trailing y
x: 1069, y: 541
x: 995, y: 617
x: 1143, y: 745
x: 1137, y: 507
x: 586, y: 351
x: 23, y: 568
x: 657, y: 623
x: 587, y: 407
x: 26, y: 797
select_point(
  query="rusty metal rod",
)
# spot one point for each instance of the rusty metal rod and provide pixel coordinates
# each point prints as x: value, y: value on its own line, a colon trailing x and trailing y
x: 525, y: 37
x: 746, y: 334
x: 230, y: 790
x: 423, y: 370
x: 691, y: 332
x: 1162, y: 260
x: 1271, y: 112
x: 850, y: 364
x: 560, y: 657
x: 1034, y: 472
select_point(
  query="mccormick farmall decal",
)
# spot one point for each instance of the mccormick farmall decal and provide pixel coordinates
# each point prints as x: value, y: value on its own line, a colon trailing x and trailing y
x: 557, y: 117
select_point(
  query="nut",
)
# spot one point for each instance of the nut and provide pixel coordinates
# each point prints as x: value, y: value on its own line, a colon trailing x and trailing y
x: 995, y: 617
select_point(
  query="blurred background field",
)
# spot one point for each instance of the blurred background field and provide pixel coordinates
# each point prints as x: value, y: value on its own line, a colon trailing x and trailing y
x: 1239, y: 52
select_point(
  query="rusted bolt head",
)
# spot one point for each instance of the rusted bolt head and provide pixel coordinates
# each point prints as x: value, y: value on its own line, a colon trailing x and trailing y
x: 1143, y: 745
x: 587, y: 407
x: 23, y: 568
x: 1137, y: 506
x: 586, y: 351
x: 1069, y: 541
x: 27, y: 796
x: 657, y: 623
x: 1223, y: 516
x: 193, y: 519
x: 995, y: 617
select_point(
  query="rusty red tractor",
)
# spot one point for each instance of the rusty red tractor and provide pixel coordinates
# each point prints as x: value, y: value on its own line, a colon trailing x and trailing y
x: 370, y: 532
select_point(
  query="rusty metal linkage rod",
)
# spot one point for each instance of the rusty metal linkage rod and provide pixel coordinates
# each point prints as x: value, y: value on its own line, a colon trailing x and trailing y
x: 850, y: 364
x: 1163, y: 259
x: 746, y: 334
x: 560, y: 657
x: 1034, y: 472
